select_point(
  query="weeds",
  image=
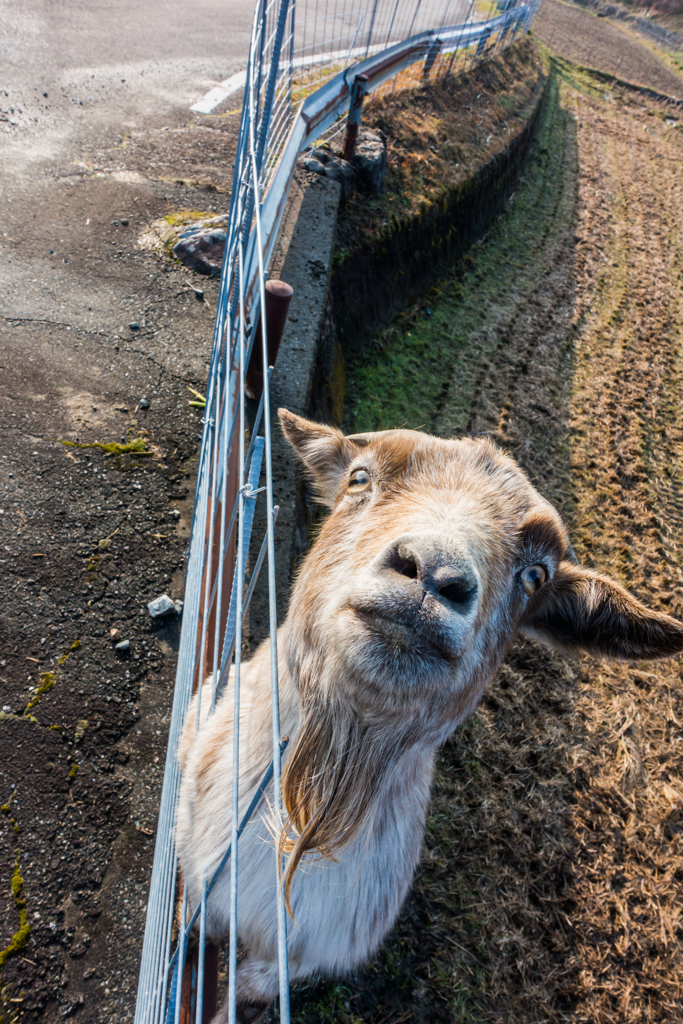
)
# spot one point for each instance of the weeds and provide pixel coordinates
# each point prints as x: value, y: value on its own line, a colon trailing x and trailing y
x: 138, y: 447
x: 19, y: 939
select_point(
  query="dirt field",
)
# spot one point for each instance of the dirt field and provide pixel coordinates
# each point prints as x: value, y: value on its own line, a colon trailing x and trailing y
x: 551, y: 882
x: 605, y: 45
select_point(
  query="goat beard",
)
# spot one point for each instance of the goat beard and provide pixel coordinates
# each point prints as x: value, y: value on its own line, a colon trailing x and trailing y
x: 330, y: 783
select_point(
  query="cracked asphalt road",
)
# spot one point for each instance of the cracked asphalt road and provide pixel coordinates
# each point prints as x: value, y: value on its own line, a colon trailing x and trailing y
x: 97, y: 145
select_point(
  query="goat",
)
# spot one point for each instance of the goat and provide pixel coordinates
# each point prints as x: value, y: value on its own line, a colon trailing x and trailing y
x: 435, y: 555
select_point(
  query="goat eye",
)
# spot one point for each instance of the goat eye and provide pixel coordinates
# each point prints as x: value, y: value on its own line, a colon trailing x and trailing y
x: 359, y: 481
x: 533, y: 578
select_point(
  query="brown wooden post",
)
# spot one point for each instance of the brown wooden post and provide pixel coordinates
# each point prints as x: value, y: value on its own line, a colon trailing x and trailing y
x: 188, y: 1002
x: 229, y: 557
x: 278, y: 297
x: 188, y: 999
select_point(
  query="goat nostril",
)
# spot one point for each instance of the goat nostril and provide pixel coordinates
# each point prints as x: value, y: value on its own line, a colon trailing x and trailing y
x: 458, y: 592
x: 403, y: 561
x: 409, y: 568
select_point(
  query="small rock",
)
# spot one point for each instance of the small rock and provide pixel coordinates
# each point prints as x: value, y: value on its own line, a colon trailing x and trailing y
x: 115, y: 635
x: 370, y: 162
x: 161, y: 606
x: 114, y: 223
x: 144, y: 404
x: 365, y: 173
x: 199, y: 294
x: 134, y: 325
x: 124, y: 222
x: 327, y: 163
x: 122, y: 647
x: 179, y: 605
x: 201, y: 246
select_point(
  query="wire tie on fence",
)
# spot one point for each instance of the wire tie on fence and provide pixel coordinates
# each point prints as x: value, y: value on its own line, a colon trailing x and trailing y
x: 209, y: 420
x: 249, y: 492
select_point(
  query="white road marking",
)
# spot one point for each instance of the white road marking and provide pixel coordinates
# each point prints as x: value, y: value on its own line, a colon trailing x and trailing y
x: 239, y: 80
x: 220, y: 92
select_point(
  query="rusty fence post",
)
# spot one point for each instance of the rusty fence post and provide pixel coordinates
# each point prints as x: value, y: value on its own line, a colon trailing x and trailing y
x: 278, y: 298
x: 188, y: 1002
x: 358, y: 90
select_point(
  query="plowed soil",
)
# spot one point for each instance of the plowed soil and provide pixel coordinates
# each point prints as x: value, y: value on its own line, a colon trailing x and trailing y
x: 550, y: 888
x: 608, y: 46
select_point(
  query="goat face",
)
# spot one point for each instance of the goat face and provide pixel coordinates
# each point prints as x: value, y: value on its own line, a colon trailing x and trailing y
x: 435, y: 554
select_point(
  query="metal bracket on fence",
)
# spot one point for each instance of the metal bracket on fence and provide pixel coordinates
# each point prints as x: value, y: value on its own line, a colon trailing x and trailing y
x: 358, y: 91
x: 249, y: 492
x: 432, y: 53
x: 483, y: 42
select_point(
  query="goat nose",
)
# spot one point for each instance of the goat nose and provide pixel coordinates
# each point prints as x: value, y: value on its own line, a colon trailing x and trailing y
x: 440, y: 572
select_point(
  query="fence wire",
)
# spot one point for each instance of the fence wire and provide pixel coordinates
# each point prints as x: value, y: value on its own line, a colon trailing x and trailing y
x: 304, y: 57
x: 324, y: 37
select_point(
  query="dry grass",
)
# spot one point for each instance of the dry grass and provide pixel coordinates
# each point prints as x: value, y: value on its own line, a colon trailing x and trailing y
x: 626, y: 466
x: 438, y: 135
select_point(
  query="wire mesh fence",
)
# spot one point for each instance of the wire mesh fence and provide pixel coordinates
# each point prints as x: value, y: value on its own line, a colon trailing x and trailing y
x: 305, y: 56
x: 323, y: 38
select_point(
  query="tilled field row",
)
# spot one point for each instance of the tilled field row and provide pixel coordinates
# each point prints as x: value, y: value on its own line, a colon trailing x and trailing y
x: 626, y: 471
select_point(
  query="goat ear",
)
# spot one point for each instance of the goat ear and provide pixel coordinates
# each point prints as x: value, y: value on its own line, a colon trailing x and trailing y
x: 583, y: 611
x: 324, y: 451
